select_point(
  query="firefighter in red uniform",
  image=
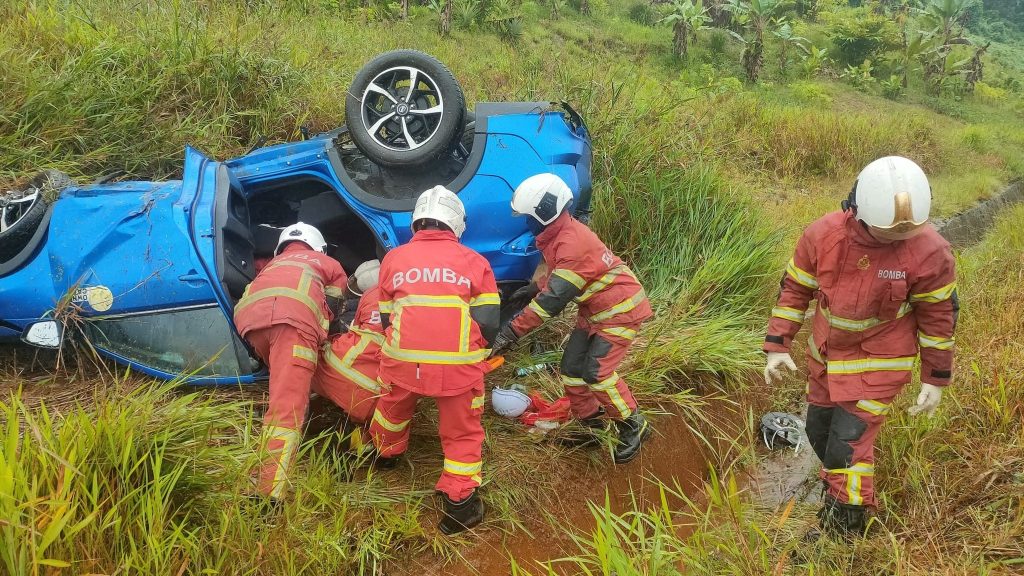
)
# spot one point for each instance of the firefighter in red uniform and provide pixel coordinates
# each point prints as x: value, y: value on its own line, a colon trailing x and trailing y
x: 885, y: 287
x: 347, y: 372
x: 440, y: 308
x: 284, y: 314
x: 612, y: 306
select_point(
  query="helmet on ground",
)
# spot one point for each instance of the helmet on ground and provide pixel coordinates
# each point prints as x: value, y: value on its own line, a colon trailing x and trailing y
x: 365, y: 276
x: 300, y: 232
x: 544, y: 197
x: 509, y: 403
x: 892, y: 198
x: 442, y: 205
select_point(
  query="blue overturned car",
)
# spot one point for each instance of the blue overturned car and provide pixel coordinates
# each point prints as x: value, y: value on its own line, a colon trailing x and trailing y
x: 150, y: 271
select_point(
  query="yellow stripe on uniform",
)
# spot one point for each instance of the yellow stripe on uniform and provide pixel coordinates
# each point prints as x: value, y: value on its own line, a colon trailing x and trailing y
x: 290, y: 442
x: 304, y: 353
x: 570, y: 277
x: 385, y: 306
x: 344, y: 367
x: 937, y: 342
x: 603, y: 282
x: 462, y: 468
x: 540, y: 311
x: 861, y: 325
x: 389, y: 425
x: 488, y: 299
x: 873, y: 407
x: 812, y: 348
x: 791, y: 314
x: 801, y: 277
x: 621, y: 308
x: 627, y: 333
x: 333, y: 291
x: 854, y: 474
x: 608, y: 386
x: 572, y: 381
x: 478, y: 402
x: 292, y: 293
x: 937, y: 295
x: 870, y: 365
x: 435, y: 357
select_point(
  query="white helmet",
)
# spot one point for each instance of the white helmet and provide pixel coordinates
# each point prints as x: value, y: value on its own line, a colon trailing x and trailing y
x: 365, y: 276
x: 892, y: 196
x: 509, y: 403
x: 441, y: 204
x: 300, y: 232
x: 543, y: 196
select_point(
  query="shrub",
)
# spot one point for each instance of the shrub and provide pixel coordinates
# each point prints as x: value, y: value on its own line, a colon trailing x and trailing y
x: 892, y: 88
x: 811, y: 93
x: 860, y: 34
x: 643, y: 13
x: 986, y: 92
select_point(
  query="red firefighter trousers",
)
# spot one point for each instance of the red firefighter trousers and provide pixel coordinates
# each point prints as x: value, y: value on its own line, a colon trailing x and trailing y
x: 291, y: 355
x: 459, y: 426
x: 592, y: 355
x: 843, y: 434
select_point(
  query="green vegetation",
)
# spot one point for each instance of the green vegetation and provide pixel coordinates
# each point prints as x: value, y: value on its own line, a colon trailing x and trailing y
x: 700, y: 177
x: 951, y: 486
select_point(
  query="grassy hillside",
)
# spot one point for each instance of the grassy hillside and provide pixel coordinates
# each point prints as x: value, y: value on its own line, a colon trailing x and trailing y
x: 699, y: 178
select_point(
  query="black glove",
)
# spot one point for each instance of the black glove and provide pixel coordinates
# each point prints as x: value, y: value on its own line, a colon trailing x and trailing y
x: 521, y: 297
x: 337, y: 326
x: 504, y: 341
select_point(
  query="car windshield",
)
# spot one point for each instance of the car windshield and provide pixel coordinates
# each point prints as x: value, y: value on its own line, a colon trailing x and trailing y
x: 195, y: 341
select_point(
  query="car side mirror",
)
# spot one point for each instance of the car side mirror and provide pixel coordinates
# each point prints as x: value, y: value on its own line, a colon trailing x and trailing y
x: 44, y: 333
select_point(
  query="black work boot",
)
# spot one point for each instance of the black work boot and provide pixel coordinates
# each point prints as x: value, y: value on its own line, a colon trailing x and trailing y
x: 588, y: 434
x: 633, y: 432
x: 844, y: 520
x: 461, y: 515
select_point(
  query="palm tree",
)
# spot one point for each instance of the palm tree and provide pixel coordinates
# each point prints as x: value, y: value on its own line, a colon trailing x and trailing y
x: 686, y: 18
x: 756, y: 16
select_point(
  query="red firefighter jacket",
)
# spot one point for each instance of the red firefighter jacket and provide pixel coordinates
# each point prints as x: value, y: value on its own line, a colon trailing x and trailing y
x: 356, y: 353
x: 441, y: 311
x: 292, y: 289
x: 878, y: 306
x: 583, y: 269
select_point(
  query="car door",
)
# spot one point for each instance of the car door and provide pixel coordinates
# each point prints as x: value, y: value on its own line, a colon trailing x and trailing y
x: 144, y: 294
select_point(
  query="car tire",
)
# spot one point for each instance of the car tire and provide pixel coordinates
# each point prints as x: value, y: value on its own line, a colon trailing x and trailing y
x: 19, y: 224
x: 397, y: 125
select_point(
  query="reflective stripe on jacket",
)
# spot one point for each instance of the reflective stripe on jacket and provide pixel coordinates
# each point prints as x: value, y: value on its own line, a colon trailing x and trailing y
x: 292, y: 289
x: 582, y: 269
x: 355, y: 355
x: 878, y: 307
x: 443, y: 304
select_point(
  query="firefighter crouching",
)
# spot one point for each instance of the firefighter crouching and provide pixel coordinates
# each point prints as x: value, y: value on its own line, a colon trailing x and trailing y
x: 440, y: 309
x: 347, y: 371
x: 284, y: 315
x: 885, y: 286
x: 612, y: 306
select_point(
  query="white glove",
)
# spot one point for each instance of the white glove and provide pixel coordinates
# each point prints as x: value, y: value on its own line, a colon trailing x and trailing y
x: 777, y: 360
x: 927, y: 400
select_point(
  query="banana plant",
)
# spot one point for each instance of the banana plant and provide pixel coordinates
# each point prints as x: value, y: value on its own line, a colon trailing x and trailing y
x: 686, y: 19
x: 788, y: 40
x: 755, y: 17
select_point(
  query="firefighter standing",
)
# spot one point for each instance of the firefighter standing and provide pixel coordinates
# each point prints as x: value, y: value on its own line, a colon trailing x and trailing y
x: 347, y: 372
x: 284, y: 314
x: 885, y: 287
x: 612, y: 306
x: 440, y: 308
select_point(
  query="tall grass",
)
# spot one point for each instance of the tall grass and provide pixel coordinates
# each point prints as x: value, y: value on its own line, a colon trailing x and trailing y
x: 154, y: 482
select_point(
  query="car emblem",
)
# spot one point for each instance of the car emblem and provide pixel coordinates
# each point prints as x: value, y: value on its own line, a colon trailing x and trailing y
x: 864, y: 263
x: 402, y: 109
